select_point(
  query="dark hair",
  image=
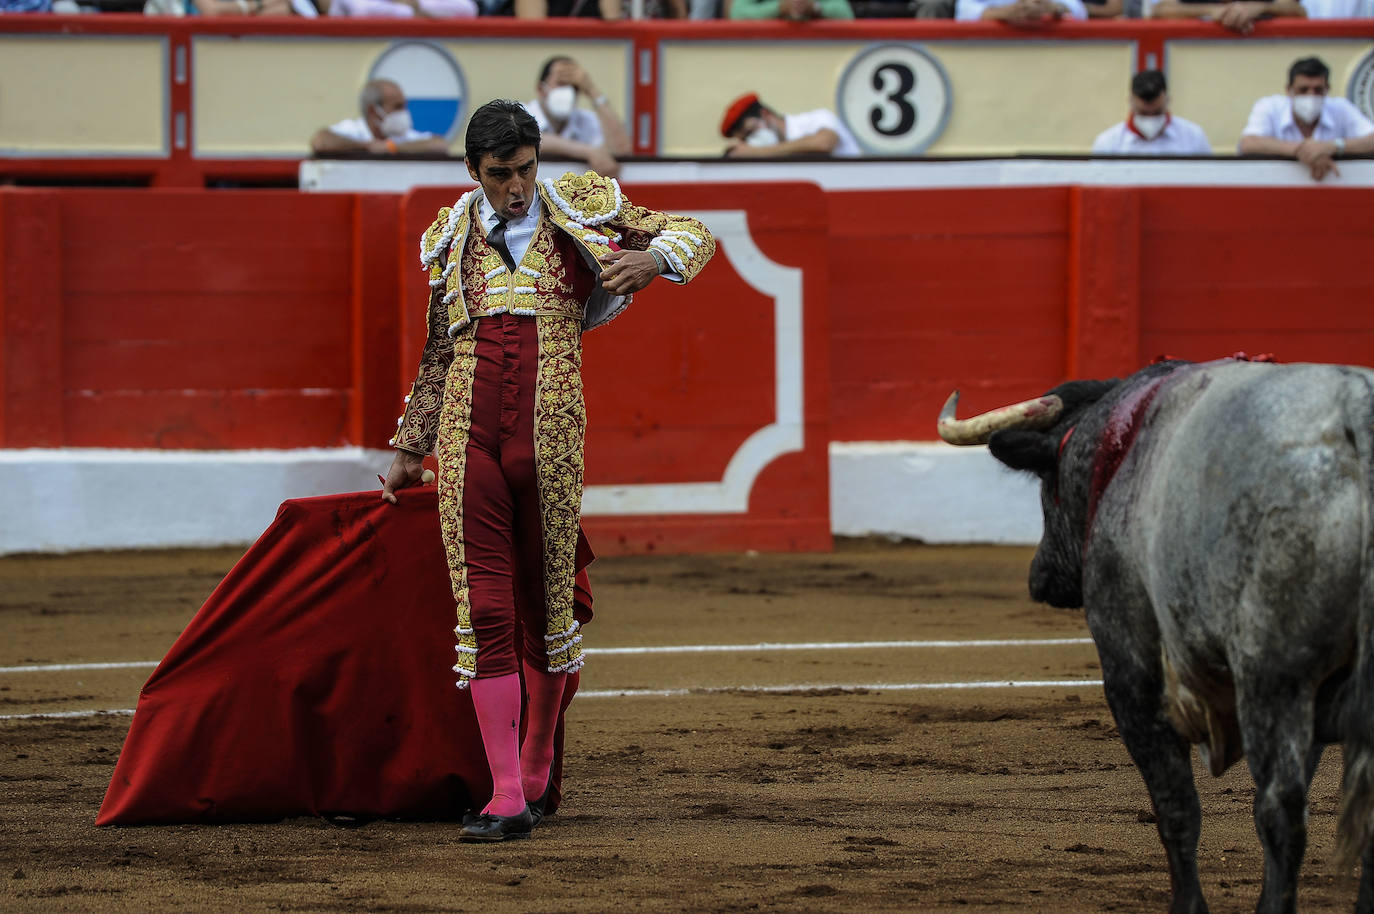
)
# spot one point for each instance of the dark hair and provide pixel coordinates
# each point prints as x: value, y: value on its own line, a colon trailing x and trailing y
x: 549, y: 64
x: 1148, y: 85
x: 754, y: 110
x: 498, y: 128
x: 1308, y: 66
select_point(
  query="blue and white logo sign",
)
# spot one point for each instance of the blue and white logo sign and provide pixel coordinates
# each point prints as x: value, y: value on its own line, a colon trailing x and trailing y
x: 895, y: 98
x: 436, y: 92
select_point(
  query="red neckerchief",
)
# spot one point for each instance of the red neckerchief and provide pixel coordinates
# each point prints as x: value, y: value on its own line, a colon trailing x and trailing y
x: 1130, y: 125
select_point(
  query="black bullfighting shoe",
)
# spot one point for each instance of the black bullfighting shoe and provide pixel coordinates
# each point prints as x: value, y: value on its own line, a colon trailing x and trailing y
x: 537, y: 807
x: 491, y: 827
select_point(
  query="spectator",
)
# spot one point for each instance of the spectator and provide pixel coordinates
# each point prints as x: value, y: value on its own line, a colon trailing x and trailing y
x: 384, y: 127
x: 791, y: 10
x: 1236, y: 15
x: 757, y: 131
x: 1305, y: 124
x: 597, y: 137
x: 570, y: 9
x: 1150, y: 129
x: 404, y: 9
x: 1338, y: 9
x: 218, y: 8
x: 902, y: 9
x: 1028, y: 13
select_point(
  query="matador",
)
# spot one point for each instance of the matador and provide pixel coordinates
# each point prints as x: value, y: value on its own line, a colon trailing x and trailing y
x: 519, y: 270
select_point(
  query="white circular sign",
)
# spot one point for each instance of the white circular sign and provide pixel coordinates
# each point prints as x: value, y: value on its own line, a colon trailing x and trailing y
x: 895, y: 98
x: 1360, y: 89
x: 433, y: 83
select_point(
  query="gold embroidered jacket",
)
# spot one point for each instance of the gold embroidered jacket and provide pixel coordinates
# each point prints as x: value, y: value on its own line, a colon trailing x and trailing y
x: 554, y: 285
x: 594, y: 214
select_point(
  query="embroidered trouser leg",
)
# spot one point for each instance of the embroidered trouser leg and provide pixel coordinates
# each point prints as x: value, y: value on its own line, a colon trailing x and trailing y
x: 502, y: 529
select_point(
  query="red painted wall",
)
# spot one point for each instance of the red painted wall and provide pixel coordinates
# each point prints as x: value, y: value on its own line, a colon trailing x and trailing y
x: 1285, y: 271
x: 272, y: 319
x: 933, y: 289
x: 170, y: 319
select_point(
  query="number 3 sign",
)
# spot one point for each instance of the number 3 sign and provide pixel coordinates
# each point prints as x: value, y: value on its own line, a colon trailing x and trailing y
x: 895, y: 98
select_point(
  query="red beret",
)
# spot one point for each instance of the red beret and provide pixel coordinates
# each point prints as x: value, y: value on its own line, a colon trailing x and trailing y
x: 736, y: 111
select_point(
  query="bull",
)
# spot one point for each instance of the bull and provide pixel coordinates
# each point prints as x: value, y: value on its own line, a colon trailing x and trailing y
x: 1215, y: 521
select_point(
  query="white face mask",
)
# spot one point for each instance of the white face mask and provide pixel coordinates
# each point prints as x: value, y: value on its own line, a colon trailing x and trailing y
x: 1150, y: 125
x: 396, y: 123
x: 763, y: 136
x: 559, y: 103
x: 1307, y: 108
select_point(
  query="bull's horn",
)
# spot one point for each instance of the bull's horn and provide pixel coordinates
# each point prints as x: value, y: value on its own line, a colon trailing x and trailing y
x: 1038, y: 413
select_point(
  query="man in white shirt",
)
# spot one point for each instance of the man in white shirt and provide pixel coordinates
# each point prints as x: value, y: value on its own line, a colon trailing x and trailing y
x: 1236, y: 15
x: 757, y: 131
x: 1306, y: 124
x: 1027, y: 13
x: 596, y: 136
x: 385, y: 127
x: 1150, y: 129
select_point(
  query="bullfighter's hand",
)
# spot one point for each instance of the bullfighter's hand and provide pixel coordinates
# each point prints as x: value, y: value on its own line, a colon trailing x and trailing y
x: 406, y: 470
x: 627, y: 271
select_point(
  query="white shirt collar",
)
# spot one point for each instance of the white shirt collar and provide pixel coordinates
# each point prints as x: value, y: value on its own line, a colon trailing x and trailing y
x: 487, y: 213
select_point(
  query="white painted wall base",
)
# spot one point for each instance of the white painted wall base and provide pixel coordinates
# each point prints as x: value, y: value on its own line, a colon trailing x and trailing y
x: 73, y: 499
x: 932, y: 492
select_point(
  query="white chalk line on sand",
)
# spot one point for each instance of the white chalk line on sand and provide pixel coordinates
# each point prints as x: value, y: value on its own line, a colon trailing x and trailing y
x: 662, y: 649
x: 715, y: 690
x: 64, y: 667
x: 687, y: 649
x: 847, y: 687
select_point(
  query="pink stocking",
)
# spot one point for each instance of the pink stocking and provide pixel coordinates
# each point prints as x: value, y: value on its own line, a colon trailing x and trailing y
x: 541, y: 720
x: 497, y: 702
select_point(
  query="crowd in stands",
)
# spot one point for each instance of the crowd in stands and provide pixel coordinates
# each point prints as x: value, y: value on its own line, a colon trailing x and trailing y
x: 1238, y: 15
x: 1304, y: 123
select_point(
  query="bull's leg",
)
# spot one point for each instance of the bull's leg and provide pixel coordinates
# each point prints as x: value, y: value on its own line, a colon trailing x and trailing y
x: 1314, y: 758
x: 1133, y: 685
x: 1276, y: 724
x: 1364, y: 902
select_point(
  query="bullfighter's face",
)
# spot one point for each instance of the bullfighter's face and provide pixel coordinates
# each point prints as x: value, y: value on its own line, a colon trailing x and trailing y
x: 507, y: 182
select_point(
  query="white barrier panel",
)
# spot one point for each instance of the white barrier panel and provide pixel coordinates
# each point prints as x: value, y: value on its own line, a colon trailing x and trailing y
x: 932, y: 492
x: 378, y: 176
x: 74, y: 499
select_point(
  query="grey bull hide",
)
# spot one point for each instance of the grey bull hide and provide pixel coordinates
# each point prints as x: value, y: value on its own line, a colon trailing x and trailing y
x: 1214, y: 522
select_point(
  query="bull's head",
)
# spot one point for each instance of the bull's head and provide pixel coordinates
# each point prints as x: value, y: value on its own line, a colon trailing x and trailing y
x: 1029, y: 436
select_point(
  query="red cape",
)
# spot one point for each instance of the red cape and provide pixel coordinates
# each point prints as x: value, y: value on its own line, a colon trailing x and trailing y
x: 316, y: 680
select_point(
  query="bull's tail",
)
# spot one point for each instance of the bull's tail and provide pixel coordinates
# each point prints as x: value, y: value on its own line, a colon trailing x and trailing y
x: 1355, y: 827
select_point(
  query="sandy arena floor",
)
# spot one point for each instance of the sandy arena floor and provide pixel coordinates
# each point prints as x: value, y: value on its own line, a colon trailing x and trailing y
x: 838, y: 799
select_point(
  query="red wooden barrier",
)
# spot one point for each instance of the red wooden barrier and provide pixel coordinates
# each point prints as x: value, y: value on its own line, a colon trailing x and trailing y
x: 171, y: 319
x: 264, y: 319
x: 1278, y: 270
x: 933, y: 289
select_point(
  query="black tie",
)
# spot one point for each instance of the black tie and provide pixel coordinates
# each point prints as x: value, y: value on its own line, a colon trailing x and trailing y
x: 497, y: 239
